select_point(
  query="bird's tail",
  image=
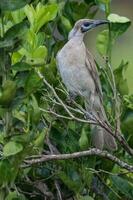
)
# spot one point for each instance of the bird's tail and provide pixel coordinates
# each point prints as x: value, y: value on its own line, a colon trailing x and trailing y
x: 100, y: 137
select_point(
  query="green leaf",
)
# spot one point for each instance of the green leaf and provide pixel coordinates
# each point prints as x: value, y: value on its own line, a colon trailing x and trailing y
x: 15, y: 196
x: 39, y: 141
x: 33, y: 83
x: 83, y: 141
x: 12, y: 148
x: 128, y: 101
x: 66, y: 23
x: 102, y: 42
x: 12, y: 4
x: 18, y: 16
x: 8, y: 172
x: 119, y: 24
x: 14, y: 34
x: 40, y: 53
x: 5, y: 172
x: 73, y: 184
x: 121, y: 81
x: 36, y: 113
x: 114, y: 18
x: 21, y: 66
x: 17, y: 30
x: 30, y: 13
x: 8, y: 92
x: 122, y: 185
x: 41, y: 15
x: 45, y: 14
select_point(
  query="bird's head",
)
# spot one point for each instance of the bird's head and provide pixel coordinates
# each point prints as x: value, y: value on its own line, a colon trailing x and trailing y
x: 84, y: 25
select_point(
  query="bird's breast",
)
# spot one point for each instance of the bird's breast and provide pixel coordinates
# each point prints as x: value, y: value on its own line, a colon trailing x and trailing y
x: 71, y: 63
x: 71, y: 54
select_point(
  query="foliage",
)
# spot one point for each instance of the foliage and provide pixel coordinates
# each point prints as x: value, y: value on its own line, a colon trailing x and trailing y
x: 31, y: 33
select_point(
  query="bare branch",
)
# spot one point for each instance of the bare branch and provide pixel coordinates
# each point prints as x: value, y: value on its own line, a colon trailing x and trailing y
x: 92, y: 117
x: 90, y: 152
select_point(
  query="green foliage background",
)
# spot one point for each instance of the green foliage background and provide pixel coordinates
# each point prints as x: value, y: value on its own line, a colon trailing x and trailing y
x: 31, y: 33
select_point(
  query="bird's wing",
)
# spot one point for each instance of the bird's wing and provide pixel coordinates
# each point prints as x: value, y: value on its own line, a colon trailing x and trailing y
x: 91, y: 66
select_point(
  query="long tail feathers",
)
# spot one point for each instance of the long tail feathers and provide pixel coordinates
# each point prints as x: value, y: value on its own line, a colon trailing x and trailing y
x: 100, y: 137
x: 109, y: 142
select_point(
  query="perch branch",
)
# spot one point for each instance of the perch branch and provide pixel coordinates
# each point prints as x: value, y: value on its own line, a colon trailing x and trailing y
x: 93, y: 118
x: 90, y: 152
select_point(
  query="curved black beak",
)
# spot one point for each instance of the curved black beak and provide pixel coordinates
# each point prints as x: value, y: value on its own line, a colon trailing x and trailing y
x: 93, y: 24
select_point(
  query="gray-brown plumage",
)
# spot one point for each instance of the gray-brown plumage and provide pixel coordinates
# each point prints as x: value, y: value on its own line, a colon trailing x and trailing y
x: 79, y: 74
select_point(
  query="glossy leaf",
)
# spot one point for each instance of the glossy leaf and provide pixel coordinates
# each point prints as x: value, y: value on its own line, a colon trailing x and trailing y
x: 41, y: 15
x: 119, y: 24
x: 12, y: 148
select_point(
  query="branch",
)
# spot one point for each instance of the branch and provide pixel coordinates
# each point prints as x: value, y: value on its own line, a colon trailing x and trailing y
x: 92, y: 118
x: 90, y: 152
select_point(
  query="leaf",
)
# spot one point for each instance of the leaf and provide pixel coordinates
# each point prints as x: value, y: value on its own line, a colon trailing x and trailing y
x: 12, y: 148
x: 66, y: 23
x: 73, y: 184
x: 18, y: 16
x: 21, y: 66
x: 12, y: 4
x: 14, y: 34
x: 39, y: 141
x: 83, y: 141
x: 122, y: 185
x: 114, y: 18
x: 41, y: 15
x: 30, y: 13
x: 8, y: 92
x: 102, y: 42
x: 45, y: 14
x: 36, y: 113
x: 33, y: 82
x: 15, y: 196
x: 17, y: 30
x: 119, y: 24
x: 40, y: 53
x: 121, y: 81
x: 5, y: 172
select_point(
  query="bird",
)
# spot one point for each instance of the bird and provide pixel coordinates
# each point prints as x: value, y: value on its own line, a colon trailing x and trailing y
x: 79, y: 74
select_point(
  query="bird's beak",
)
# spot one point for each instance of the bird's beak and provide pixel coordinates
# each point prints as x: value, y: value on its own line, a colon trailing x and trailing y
x: 93, y: 24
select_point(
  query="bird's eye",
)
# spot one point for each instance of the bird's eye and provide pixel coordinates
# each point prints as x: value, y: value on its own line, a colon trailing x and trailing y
x: 86, y: 24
